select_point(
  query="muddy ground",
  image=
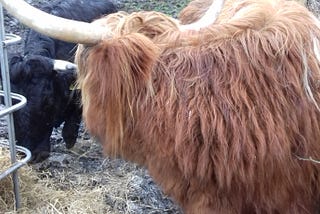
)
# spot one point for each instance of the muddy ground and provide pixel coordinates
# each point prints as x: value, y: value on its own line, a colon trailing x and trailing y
x: 130, y: 188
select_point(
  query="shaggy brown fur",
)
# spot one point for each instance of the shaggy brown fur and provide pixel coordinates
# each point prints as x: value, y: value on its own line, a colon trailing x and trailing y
x: 194, y: 11
x: 196, y: 8
x: 221, y: 117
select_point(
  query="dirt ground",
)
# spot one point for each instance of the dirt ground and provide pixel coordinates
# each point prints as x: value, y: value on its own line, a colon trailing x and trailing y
x: 124, y: 187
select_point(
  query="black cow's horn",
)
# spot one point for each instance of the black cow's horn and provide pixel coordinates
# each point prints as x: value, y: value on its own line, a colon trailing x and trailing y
x: 56, y: 27
x: 62, y: 65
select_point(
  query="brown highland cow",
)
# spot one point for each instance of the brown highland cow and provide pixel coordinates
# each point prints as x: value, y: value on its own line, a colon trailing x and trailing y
x: 221, y: 117
x: 225, y: 116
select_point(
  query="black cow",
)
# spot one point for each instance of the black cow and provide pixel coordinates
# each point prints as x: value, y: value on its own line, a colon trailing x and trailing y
x: 50, y: 98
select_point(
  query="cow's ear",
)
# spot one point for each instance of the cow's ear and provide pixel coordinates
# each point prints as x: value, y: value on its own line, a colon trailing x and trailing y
x: 16, y: 67
x: 38, y: 65
x: 68, y: 76
x: 64, y: 81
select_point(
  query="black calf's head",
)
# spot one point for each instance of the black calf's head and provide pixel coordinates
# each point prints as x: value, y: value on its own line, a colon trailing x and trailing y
x: 48, y: 97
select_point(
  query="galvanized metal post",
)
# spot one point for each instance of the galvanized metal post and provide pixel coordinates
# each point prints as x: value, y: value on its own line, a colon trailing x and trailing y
x: 8, y: 103
x: 5, y: 40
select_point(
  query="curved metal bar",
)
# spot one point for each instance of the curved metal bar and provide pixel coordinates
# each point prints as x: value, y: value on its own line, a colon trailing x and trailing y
x: 17, y: 164
x: 8, y: 110
x: 11, y: 39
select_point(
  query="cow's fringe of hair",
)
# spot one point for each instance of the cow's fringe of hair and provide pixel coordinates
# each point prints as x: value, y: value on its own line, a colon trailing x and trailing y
x: 233, y: 108
x: 116, y: 71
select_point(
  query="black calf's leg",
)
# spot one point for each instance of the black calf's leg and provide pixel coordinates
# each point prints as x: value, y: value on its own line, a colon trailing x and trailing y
x: 72, y: 118
x: 70, y: 130
x: 42, y: 151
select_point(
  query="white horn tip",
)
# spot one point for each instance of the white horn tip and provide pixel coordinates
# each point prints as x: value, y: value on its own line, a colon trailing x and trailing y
x: 63, y: 65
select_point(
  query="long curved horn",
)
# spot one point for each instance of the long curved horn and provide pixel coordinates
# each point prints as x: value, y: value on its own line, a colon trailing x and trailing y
x: 55, y: 27
x: 82, y: 32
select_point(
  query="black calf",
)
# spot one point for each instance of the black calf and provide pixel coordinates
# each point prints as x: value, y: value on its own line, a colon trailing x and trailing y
x: 50, y: 101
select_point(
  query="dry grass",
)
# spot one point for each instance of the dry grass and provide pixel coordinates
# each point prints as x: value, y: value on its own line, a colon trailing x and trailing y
x: 40, y: 193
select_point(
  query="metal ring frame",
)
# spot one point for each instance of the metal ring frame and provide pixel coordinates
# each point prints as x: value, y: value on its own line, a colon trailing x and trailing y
x: 5, y: 40
x: 17, y: 164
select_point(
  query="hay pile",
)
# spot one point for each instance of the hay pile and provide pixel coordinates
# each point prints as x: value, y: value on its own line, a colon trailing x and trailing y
x: 6, y: 197
x: 82, y: 181
x: 40, y: 193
